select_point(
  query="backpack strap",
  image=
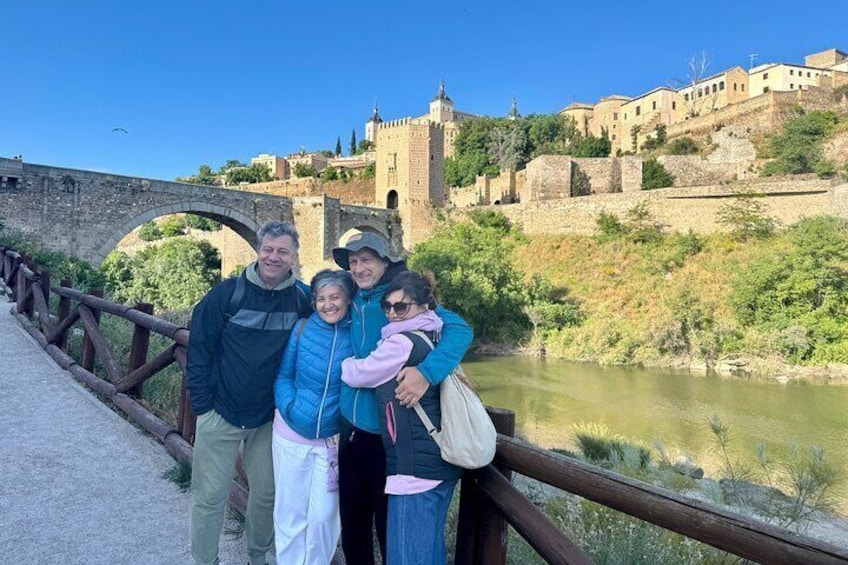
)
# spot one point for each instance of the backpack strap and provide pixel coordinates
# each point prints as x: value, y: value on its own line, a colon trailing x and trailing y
x: 236, y: 298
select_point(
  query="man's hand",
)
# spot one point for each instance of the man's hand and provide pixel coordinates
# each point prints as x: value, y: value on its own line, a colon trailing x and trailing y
x: 412, y: 386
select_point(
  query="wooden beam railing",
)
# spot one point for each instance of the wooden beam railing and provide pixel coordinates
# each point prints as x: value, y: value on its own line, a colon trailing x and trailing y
x: 489, y: 503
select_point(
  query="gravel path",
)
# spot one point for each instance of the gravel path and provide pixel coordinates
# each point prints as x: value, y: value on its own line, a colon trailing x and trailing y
x: 79, y: 484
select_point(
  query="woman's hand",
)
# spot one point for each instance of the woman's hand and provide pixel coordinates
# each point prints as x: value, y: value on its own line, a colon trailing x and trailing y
x: 412, y: 386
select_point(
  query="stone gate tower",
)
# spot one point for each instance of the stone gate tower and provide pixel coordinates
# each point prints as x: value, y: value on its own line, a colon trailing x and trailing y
x: 410, y: 173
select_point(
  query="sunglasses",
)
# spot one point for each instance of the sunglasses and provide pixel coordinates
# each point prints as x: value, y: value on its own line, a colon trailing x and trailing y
x: 400, y: 308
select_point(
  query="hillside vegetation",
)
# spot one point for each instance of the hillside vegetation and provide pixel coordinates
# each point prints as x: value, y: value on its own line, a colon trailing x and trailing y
x: 758, y: 298
x: 682, y: 299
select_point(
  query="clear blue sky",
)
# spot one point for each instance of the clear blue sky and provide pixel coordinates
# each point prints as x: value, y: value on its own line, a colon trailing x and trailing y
x: 203, y: 82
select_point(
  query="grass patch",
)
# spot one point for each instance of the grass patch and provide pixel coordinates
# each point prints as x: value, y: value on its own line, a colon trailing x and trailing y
x: 180, y: 475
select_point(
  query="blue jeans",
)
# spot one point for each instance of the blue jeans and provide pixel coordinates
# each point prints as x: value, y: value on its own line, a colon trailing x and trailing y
x: 416, y: 526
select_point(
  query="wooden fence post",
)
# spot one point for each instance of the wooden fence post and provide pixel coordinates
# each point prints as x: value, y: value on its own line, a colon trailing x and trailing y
x: 139, y: 349
x: 88, y: 353
x: 481, y: 531
x: 493, y: 528
x: 64, y: 312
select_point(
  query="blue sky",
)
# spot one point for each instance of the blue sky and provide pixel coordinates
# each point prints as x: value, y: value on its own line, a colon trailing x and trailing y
x: 203, y: 82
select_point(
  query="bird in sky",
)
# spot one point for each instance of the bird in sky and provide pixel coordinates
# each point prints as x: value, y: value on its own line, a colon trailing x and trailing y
x: 120, y: 129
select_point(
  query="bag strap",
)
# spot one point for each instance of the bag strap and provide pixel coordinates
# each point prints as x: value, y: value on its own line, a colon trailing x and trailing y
x: 236, y: 297
x: 425, y: 419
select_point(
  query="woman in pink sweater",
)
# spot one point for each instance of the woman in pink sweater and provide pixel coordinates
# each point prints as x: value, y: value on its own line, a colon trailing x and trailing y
x: 419, y: 483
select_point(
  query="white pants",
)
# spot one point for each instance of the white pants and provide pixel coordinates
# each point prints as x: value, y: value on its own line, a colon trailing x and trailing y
x: 306, y: 514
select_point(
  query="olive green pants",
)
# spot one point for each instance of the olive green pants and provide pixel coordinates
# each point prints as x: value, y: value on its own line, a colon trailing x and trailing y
x: 216, y: 447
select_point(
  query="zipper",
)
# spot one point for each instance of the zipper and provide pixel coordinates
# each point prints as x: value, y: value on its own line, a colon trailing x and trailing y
x: 327, y: 380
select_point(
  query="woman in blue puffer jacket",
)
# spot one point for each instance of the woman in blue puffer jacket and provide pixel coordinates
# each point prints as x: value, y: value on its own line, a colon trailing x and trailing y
x: 306, y: 425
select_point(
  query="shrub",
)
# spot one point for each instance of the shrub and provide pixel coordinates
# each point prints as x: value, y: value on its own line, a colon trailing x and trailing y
x: 609, y: 227
x: 655, y: 175
x: 745, y: 217
x: 149, y: 231
x: 173, y: 226
x: 796, y: 148
x: 201, y: 223
x: 683, y: 146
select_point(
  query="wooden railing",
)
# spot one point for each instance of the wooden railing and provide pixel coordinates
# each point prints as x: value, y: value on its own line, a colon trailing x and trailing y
x: 489, y: 502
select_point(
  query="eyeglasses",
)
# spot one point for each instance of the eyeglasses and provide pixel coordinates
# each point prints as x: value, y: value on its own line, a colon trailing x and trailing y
x: 400, y: 308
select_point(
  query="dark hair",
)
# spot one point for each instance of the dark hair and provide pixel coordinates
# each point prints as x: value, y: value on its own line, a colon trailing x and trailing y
x: 419, y: 288
x: 329, y: 277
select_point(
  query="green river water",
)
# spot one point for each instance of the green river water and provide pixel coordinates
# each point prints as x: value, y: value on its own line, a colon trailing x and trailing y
x: 550, y: 396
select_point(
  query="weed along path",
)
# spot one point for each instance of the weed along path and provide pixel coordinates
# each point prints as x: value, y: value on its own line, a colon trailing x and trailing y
x: 80, y: 485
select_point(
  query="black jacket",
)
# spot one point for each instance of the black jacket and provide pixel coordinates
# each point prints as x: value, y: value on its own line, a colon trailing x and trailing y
x: 409, y: 448
x: 234, y: 356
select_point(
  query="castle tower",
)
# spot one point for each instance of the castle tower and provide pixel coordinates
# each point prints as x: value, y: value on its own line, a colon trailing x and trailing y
x: 513, y: 111
x: 441, y: 107
x: 371, y: 125
x: 410, y: 174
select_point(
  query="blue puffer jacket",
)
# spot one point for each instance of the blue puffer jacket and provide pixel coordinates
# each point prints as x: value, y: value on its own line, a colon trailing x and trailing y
x: 358, y: 405
x: 308, y: 384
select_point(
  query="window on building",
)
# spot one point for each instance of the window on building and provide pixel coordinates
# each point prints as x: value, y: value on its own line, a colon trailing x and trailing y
x: 654, y: 105
x: 674, y: 105
x: 765, y: 89
x: 808, y: 74
x: 734, y: 87
x: 700, y: 92
x: 721, y: 85
x: 743, y: 87
x: 765, y: 76
x: 638, y: 110
x: 615, y: 115
x: 715, y: 89
x: 686, y: 97
x: 613, y: 137
x: 791, y: 72
x: 791, y: 85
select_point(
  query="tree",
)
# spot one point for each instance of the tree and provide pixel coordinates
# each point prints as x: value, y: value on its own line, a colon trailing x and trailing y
x: 231, y: 164
x: 174, y: 275
x: 508, y: 148
x: 796, y: 148
x: 352, y: 142
x: 330, y: 173
x: 173, y: 226
x: 369, y: 172
x: 475, y: 276
x: 149, y: 231
x: 655, y: 175
x: 205, y: 175
x: 302, y: 170
x: 257, y: 172
x: 201, y: 223
x: 338, y: 147
x: 697, y: 98
x: 365, y: 145
x: 591, y: 146
x: 658, y: 140
x: 745, y: 216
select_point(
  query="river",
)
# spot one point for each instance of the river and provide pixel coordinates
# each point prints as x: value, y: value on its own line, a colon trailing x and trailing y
x: 550, y: 396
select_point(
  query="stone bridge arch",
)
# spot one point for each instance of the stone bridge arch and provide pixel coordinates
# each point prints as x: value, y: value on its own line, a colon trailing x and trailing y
x: 243, y: 225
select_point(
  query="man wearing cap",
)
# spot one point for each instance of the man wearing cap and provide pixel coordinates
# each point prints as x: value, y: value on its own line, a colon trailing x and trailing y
x: 238, y: 334
x: 362, y: 459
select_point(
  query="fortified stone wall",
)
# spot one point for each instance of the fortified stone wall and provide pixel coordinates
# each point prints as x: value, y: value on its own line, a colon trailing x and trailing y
x: 548, y: 178
x: 694, y: 170
x: 678, y: 209
x: 595, y: 176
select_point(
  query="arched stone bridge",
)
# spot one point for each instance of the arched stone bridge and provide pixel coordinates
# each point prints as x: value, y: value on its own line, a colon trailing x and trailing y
x: 86, y: 213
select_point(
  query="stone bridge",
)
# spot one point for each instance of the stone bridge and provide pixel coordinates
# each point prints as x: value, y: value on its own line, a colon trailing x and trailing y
x: 86, y: 213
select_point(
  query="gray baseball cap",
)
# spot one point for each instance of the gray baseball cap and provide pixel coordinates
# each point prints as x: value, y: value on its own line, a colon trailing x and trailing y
x: 363, y: 240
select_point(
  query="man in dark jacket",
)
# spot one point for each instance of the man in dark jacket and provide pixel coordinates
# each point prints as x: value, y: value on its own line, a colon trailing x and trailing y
x: 238, y: 333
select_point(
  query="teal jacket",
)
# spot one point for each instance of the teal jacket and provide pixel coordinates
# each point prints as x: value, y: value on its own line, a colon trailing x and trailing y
x: 358, y: 405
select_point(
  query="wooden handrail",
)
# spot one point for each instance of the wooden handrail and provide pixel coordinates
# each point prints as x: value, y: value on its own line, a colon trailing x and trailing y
x: 717, y: 527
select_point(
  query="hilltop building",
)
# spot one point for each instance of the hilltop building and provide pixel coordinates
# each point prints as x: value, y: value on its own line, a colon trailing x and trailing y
x: 278, y: 166
x: 630, y: 121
